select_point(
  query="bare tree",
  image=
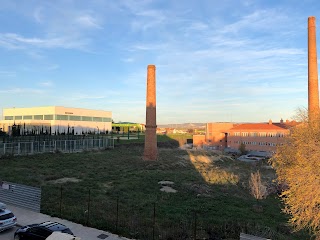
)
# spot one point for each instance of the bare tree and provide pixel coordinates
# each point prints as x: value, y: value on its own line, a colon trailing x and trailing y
x: 258, y: 190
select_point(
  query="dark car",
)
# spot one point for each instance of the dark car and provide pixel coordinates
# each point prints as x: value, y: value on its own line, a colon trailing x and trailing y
x: 40, y: 231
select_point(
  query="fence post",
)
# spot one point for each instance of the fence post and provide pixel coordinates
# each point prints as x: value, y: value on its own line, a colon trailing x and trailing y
x: 4, y: 148
x: 88, y: 213
x: 195, y: 226
x: 128, y: 132
x: 154, y: 220
x: 61, y: 201
x: 31, y: 147
x: 18, y: 148
x: 117, y: 215
x: 44, y: 146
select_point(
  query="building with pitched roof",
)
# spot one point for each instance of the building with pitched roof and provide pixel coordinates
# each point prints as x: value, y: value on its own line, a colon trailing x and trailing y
x: 255, y: 136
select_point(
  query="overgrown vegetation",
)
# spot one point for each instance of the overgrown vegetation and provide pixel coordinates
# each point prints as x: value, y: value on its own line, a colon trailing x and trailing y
x: 297, y: 166
x: 213, y: 198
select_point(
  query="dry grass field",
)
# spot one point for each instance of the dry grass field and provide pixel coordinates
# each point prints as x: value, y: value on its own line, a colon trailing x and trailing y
x: 117, y: 191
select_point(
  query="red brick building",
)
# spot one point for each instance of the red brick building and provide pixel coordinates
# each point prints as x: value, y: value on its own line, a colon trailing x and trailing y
x: 255, y: 136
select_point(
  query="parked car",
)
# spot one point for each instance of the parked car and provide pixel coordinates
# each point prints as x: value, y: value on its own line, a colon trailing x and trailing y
x: 250, y: 158
x: 232, y: 151
x: 40, y: 231
x: 7, y: 218
x: 62, y: 236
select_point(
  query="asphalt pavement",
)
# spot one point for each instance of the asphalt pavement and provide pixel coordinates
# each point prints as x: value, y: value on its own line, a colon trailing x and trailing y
x: 8, y: 234
x: 26, y: 217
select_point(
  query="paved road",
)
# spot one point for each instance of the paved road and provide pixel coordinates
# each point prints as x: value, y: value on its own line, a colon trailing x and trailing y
x: 8, y: 234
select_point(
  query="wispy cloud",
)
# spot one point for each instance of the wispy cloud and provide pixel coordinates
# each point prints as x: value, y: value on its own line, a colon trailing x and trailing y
x: 16, y: 41
x: 22, y: 91
x: 88, y: 21
x: 46, y: 84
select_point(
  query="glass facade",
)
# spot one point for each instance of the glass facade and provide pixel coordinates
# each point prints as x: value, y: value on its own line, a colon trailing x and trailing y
x: 86, y: 118
x: 48, y: 117
x: 75, y: 118
x: 59, y: 117
x: 62, y: 117
x: 38, y: 117
x: 27, y: 117
x: 97, y: 119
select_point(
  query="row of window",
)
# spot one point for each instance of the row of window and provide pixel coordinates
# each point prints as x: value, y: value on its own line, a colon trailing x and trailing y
x: 59, y: 117
x: 257, y: 134
x: 258, y: 143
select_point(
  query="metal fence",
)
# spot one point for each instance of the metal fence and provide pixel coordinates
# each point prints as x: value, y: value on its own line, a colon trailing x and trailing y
x: 20, y: 195
x: 148, y: 221
x: 65, y: 146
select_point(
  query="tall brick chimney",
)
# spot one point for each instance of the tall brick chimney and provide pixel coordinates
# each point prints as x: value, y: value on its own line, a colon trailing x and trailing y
x: 313, y: 91
x: 150, y: 144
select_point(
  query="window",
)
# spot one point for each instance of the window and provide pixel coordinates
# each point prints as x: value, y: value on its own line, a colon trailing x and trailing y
x: 38, y: 117
x: 6, y: 216
x: 263, y: 134
x: 245, y: 134
x: 74, y: 118
x: 8, y: 118
x: 62, y: 117
x: 48, y: 117
x: 106, y: 119
x: 40, y: 231
x: 18, y: 117
x: 236, y: 134
x: 27, y: 117
x: 86, y: 118
x: 97, y: 119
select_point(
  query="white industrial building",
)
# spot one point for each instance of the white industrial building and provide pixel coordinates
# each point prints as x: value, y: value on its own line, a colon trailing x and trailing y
x: 56, y: 119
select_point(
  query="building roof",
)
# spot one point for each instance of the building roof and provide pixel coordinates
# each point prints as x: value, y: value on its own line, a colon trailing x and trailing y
x: 257, y: 126
x: 287, y: 124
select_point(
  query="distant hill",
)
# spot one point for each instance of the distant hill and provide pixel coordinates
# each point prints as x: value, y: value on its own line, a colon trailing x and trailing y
x: 183, y: 125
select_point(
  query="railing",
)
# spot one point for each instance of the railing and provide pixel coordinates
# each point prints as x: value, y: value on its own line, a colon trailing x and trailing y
x: 65, y: 146
x: 20, y: 195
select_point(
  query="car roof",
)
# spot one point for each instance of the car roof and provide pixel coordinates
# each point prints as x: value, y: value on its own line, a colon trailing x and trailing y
x: 53, y: 226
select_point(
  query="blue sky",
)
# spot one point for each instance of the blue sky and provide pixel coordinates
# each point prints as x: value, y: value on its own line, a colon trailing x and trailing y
x: 230, y: 60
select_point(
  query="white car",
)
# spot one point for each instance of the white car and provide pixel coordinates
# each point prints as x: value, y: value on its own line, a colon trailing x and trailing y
x: 250, y: 158
x: 7, y: 218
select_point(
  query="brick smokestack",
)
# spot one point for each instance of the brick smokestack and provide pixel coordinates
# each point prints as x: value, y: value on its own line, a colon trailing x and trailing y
x: 313, y: 91
x: 150, y: 144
